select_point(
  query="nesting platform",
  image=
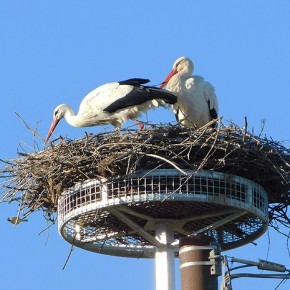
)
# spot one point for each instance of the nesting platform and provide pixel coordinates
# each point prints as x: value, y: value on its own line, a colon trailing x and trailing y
x: 119, y: 217
x: 112, y: 190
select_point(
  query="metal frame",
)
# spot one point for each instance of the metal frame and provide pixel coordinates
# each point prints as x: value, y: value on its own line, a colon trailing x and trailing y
x: 134, y: 203
x: 146, y: 213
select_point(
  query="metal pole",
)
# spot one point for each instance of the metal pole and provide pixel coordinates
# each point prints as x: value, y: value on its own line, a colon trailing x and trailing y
x: 164, y: 258
x: 195, y: 265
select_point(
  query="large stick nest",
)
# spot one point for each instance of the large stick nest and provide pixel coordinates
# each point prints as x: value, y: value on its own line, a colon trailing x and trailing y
x: 36, y: 180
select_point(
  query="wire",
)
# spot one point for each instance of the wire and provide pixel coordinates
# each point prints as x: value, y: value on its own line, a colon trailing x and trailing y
x: 262, y: 265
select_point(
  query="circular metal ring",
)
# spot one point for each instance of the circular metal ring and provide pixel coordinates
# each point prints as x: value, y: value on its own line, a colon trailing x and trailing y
x: 118, y: 216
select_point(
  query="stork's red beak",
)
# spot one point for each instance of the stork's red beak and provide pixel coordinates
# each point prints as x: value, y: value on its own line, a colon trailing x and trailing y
x: 51, y: 129
x: 171, y: 74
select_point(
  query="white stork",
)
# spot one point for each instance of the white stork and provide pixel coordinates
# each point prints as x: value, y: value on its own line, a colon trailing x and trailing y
x: 113, y: 103
x: 197, y: 102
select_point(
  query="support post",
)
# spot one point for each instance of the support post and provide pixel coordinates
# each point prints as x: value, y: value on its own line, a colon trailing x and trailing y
x: 197, y: 271
x: 164, y: 257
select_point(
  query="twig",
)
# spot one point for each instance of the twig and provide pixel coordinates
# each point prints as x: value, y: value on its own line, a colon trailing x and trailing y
x: 28, y: 127
x: 69, y: 254
x: 166, y: 160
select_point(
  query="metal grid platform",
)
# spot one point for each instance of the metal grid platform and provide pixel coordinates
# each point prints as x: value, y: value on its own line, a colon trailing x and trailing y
x: 119, y: 216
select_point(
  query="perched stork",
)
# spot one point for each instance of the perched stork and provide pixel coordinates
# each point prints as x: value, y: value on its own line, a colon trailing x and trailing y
x: 197, y: 102
x: 113, y: 103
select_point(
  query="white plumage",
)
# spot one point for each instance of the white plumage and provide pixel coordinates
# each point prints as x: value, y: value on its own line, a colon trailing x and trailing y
x: 113, y: 103
x: 197, y: 102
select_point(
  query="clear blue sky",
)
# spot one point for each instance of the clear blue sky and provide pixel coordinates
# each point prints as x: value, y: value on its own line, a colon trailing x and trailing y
x: 55, y: 52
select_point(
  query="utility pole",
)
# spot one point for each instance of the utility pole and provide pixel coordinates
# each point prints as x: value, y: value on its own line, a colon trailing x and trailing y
x: 199, y: 263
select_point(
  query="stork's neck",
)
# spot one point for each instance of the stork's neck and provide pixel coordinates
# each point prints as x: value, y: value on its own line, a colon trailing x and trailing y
x: 72, y: 118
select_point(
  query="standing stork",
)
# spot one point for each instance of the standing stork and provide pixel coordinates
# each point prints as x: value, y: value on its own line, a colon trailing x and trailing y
x: 197, y: 102
x: 113, y: 103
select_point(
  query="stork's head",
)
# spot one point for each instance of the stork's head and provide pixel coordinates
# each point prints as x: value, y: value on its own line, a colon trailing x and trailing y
x: 58, y: 113
x: 182, y: 66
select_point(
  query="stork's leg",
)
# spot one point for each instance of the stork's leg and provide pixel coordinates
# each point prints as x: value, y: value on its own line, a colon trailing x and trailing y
x: 139, y: 123
x: 117, y: 126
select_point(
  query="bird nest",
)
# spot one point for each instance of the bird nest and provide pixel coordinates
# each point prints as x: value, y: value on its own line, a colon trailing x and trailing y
x: 36, y: 180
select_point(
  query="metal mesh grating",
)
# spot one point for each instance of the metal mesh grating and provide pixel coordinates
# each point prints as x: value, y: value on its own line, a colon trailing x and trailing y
x: 191, y: 202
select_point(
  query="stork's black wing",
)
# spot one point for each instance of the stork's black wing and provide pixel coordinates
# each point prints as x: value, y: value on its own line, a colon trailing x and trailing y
x: 134, y: 82
x: 213, y: 114
x: 139, y: 95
